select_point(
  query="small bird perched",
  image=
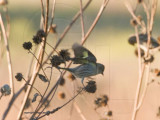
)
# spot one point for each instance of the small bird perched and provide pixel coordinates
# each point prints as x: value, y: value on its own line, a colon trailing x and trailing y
x: 89, y: 66
x: 143, y: 38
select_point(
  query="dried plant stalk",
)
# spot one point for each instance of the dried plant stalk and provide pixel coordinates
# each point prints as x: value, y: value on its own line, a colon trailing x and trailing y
x: 8, y: 56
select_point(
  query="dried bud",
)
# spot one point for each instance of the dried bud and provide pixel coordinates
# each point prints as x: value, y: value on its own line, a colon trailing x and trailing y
x: 157, y: 72
x: 71, y: 77
x: 140, y: 1
x: 56, y: 60
x: 110, y: 113
x: 37, y: 40
x: 149, y: 59
x: 101, y: 101
x: 5, y: 90
x: 91, y: 87
x: 62, y: 81
x: 52, y: 29
x: 64, y: 54
x: 27, y: 45
x: 61, y: 95
x: 42, y: 77
x: 19, y: 76
x: 141, y: 52
x: 41, y: 33
x: 133, y: 22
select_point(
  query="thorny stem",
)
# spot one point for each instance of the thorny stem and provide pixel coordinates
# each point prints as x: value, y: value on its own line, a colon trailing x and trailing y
x: 8, y: 56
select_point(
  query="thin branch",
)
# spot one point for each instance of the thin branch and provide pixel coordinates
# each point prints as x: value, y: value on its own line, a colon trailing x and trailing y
x: 104, y: 4
x: 52, y: 13
x: 8, y: 21
x: 8, y: 56
x: 145, y: 87
x: 37, y: 65
x: 42, y: 13
x: 82, y: 20
x: 142, y: 24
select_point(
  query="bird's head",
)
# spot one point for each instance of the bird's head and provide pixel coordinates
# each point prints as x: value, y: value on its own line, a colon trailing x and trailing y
x: 100, y: 68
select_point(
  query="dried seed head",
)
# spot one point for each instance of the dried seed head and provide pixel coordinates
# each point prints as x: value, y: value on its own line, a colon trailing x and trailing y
x: 19, y: 76
x: 91, y: 87
x: 101, y: 101
x: 64, y: 54
x: 61, y: 95
x: 71, y: 77
x: 141, y: 52
x: 62, y: 81
x: 27, y: 45
x: 37, y: 40
x: 157, y: 72
x: 140, y: 1
x: 110, y: 113
x: 41, y: 33
x: 5, y: 90
x: 56, y: 60
x: 133, y: 22
x: 52, y: 29
x: 149, y: 59
x: 132, y: 40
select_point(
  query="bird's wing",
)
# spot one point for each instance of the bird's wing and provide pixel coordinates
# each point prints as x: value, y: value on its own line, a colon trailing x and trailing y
x: 82, y: 54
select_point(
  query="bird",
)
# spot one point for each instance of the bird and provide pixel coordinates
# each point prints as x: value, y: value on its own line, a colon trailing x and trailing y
x: 82, y: 55
x: 143, y: 38
x: 88, y: 63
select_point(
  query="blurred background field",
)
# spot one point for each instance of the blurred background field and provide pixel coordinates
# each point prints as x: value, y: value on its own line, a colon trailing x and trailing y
x: 108, y: 42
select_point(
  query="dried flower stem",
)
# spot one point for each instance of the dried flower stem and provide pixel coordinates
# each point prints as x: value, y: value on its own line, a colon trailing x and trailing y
x: 104, y: 4
x: 37, y: 65
x: 8, y: 56
x: 145, y: 87
x: 52, y: 13
x: 42, y: 13
x: 150, y: 20
x: 82, y: 21
x: 58, y: 108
